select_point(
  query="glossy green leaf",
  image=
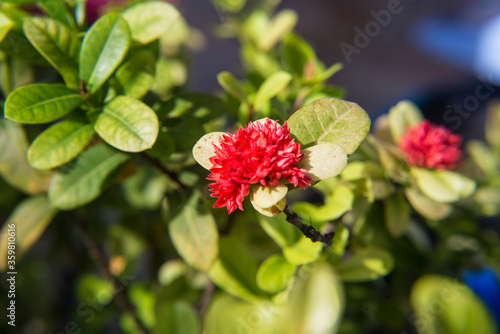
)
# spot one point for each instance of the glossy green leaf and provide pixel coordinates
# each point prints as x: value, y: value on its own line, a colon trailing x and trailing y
x: 128, y: 124
x: 275, y: 273
x: 103, y: 49
x: 330, y: 120
x: 281, y: 231
x: 303, y: 251
x: 84, y: 182
x: 401, y: 116
x: 366, y: 265
x: 60, y: 11
x: 235, y: 270
x: 59, y: 144
x: 149, y: 20
x: 41, y: 103
x: 136, y: 75
x: 56, y: 44
x: 232, y: 85
x: 297, y: 54
x: 30, y: 219
x: 397, y: 215
x: 5, y: 25
x: 176, y: 317
x: 317, y: 303
x: 232, y: 6
x: 425, y: 206
x: 194, y: 233
x: 281, y: 24
x: 445, y: 305
x: 14, y: 166
x: 442, y: 185
x: 271, y: 87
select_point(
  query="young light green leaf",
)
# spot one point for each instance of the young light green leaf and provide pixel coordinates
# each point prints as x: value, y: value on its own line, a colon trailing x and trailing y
x: 5, y: 25
x: 325, y: 75
x: 177, y: 317
x: 59, y: 144
x: 194, y: 234
x: 136, y: 75
x: 330, y: 120
x: 442, y: 185
x: 103, y: 49
x: 29, y: 219
x: 14, y: 167
x: 232, y: 86
x: 56, y: 44
x: 401, y: 116
x: 366, y: 265
x: 149, y: 20
x: 460, y: 310
x: 317, y: 302
x: 280, y: 25
x: 323, y: 161
x: 397, y: 215
x: 235, y: 270
x: 425, y: 206
x: 275, y: 273
x: 303, y: 251
x: 87, y: 179
x: 232, y: 6
x: 269, y: 201
x: 41, y: 103
x: 128, y: 124
x: 271, y: 87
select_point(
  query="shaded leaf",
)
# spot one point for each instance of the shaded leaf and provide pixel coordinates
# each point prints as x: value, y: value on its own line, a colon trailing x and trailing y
x: 397, y: 215
x: 232, y: 6
x: 366, y: 265
x: 492, y: 124
x: 176, y: 317
x: 330, y: 120
x: 128, y: 124
x: 30, y: 219
x: 275, y: 273
x: 297, y: 53
x: 41, y: 103
x: 185, y: 131
x: 87, y: 179
x: 103, y: 49
x: 59, y: 144
x: 204, y: 107
x: 56, y: 44
x: 194, y: 233
x: 281, y: 231
x: 232, y: 85
x: 136, y: 75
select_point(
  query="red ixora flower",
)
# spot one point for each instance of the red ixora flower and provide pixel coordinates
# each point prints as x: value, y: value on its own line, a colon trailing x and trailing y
x: 263, y: 152
x: 431, y: 146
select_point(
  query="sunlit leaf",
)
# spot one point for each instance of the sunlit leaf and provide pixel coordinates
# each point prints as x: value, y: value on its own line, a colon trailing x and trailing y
x: 232, y: 85
x: 281, y: 24
x: 442, y: 185
x: 275, y: 273
x: 366, y: 265
x: 425, y: 206
x: 401, y: 116
x: 303, y: 251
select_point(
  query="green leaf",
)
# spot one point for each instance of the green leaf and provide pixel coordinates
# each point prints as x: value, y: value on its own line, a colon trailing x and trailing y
x: 281, y: 24
x: 5, y: 25
x: 149, y: 20
x: 397, y: 215
x: 275, y: 273
x: 146, y: 188
x: 203, y: 107
x: 325, y: 75
x: 176, y: 317
x: 366, y: 265
x: 297, y: 53
x: 401, y: 116
x: 303, y: 251
x: 330, y: 120
x: 57, y: 45
x: 271, y: 87
x: 185, y: 131
x: 442, y: 185
x: 103, y: 49
x: 14, y: 166
x: 29, y: 219
x: 317, y: 303
x: 492, y: 124
x: 128, y: 124
x: 41, y: 103
x: 60, y: 11
x: 456, y: 308
x: 232, y: 6
x: 87, y: 179
x: 136, y: 75
x: 232, y: 86
x: 281, y: 231
x: 59, y: 144
x: 339, y: 242
x: 425, y: 206
x: 194, y: 233
x: 235, y: 270
x: 482, y: 155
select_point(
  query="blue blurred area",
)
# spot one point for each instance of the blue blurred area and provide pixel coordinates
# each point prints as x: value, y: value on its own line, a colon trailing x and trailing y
x: 486, y: 285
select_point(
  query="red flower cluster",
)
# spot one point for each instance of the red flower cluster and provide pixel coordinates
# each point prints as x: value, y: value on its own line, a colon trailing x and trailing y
x: 431, y: 146
x: 264, y: 153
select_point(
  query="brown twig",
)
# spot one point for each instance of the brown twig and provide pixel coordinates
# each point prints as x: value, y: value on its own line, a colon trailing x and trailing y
x: 171, y: 174
x: 120, y: 290
x: 309, y: 231
x: 206, y: 298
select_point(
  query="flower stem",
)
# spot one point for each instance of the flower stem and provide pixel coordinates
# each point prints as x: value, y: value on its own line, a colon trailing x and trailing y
x: 309, y: 231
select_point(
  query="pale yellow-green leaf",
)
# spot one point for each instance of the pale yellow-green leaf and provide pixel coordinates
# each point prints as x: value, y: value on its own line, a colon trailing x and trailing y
x: 323, y: 161
x: 401, y: 116
x: 442, y: 185
x: 427, y: 207
x: 303, y: 251
x: 203, y: 150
